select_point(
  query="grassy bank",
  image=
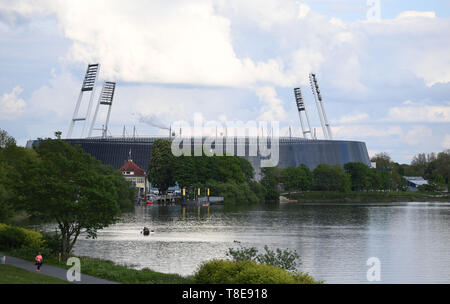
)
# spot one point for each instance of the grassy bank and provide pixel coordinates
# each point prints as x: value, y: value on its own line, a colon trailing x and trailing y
x: 108, y: 270
x: 13, y: 275
x: 365, y: 197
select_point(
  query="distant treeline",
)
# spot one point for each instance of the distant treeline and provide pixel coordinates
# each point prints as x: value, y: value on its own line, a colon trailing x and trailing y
x: 355, y: 176
x: 433, y: 167
x: 230, y: 177
x: 233, y: 177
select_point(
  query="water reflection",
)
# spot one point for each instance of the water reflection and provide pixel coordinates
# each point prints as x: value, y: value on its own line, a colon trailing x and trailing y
x: 411, y: 240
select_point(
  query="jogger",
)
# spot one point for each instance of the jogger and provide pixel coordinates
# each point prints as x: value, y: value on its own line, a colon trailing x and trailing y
x: 38, y: 259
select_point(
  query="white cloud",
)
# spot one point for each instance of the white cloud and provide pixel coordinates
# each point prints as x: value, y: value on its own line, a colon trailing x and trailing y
x: 446, y: 141
x: 417, y: 135
x: 352, y: 118
x: 272, y: 108
x: 416, y: 14
x: 164, y: 42
x: 56, y: 100
x: 431, y: 114
x: 11, y: 106
x: 193, y: 42
x: 365, y: 131
x: 303, y: 10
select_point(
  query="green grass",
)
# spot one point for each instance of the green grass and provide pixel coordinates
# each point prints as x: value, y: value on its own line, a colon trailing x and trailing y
x: 108, y: 270
x: 13, y: 275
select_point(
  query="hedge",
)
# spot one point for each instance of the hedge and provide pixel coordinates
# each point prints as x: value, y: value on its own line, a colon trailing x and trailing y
x: 247, y: 272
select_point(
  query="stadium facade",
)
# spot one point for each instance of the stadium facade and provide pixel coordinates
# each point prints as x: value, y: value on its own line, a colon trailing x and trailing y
x: 293, y: 151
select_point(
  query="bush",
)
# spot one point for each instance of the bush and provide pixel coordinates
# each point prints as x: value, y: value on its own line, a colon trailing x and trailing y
x: 246, y: 272
x: 12, y: 237
x: 285, y: 259
x: 52, y: 242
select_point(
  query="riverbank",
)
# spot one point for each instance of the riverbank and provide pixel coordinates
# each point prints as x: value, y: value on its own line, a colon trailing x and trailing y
x: 364, y: 197
x: 14, y: 275
x: 110, y: 271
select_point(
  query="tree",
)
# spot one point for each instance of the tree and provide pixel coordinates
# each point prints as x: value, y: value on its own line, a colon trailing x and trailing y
x: 13, y: 171
x: 270, y: 183
x: 331, y: 178
x: 419, y: 164
x: 299, y: 178
x: 358, y: 173
x: 383, y: 160
x: 398, y: 182
x: 58, y: 134
x: 71, y: 188
x: 6, y: 140
x: 162, y: 165
x: 6, y: 206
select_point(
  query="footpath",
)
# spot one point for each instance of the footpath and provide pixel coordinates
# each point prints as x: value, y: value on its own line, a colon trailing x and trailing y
x: 52, y: 271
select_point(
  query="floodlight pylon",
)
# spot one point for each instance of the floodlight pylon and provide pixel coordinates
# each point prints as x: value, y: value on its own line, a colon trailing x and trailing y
x: 106, y: 98
x: 89, y: 82
x: 301, y: 107
x: 320, y: 107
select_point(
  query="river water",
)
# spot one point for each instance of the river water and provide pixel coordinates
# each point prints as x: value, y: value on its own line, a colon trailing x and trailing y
x: 334, y: 241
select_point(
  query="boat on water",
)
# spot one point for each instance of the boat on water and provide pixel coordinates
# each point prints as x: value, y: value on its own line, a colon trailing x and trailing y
x: 146, y: 231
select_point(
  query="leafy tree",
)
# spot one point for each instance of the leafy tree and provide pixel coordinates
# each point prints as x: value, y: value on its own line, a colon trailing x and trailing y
x: 358, y: 173
x: 126, y: 193
x: 71, y: 188
x: 13, y: 172
x: 247, y: 168
x: 162, y: 165
x: 398, y: 182
x: 58, y: 134
x: 383, y: 160
x: 419, y: 164
x: 270, y: 183
x: 6, y: 140
x: 299, y: 178
x: 6, y: 206
x: 442, y: 165
x: 331, y: 178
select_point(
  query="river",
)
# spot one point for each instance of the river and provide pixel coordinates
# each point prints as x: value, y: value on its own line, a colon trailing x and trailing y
x: 334, y: 241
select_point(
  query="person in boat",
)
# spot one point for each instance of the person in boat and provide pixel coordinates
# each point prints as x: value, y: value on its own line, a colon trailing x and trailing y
x: 146, y: 231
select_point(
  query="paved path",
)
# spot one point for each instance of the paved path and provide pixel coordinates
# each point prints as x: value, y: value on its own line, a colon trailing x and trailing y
x: 52, y: 271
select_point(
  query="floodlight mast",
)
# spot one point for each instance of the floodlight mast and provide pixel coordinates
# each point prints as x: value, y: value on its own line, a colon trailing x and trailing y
x: 90, y: 79
x: 106, y: 98
x: 302, y: 108
x: 320, y: 107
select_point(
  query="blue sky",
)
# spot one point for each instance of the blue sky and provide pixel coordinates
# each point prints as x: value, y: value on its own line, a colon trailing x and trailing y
x: 384, y: 82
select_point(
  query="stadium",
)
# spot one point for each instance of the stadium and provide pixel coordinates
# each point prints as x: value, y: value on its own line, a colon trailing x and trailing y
x: 293, y: 151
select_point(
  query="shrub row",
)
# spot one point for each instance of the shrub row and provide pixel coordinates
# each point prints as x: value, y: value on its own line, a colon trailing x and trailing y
x: 12, y: 237
x: 247, y: 272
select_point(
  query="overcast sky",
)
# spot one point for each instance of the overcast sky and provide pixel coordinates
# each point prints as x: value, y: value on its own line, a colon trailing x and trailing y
x: 384, y: 81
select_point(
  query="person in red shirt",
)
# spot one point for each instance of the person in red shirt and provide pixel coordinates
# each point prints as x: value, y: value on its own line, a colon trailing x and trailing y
x: 38, y: 260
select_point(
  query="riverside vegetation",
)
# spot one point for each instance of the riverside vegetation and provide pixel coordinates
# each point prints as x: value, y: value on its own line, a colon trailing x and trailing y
x: 246, y: 266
